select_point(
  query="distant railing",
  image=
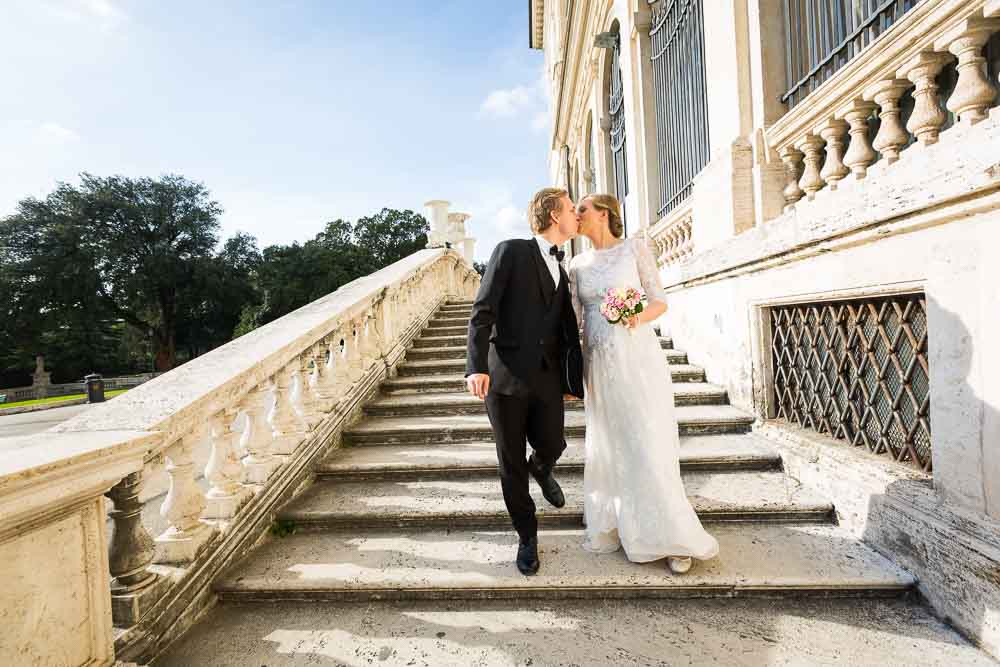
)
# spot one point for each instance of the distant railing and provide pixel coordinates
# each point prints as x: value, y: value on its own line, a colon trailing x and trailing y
x: 32, y: 392
x: 821, y: 36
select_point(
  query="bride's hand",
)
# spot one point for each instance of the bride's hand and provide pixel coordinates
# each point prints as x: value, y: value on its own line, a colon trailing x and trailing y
x: 632, y: 322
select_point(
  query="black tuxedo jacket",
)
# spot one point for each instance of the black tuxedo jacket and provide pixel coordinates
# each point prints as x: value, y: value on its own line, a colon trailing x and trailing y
x: 514, y: 333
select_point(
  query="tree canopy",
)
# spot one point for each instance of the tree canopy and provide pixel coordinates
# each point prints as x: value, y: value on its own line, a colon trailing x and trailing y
x: 117, y: 274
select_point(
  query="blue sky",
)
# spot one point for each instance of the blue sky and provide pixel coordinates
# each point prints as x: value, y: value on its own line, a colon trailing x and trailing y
x: 292, y: 113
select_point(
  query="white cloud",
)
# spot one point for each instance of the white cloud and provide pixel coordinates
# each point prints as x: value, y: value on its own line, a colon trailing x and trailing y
x: 102, y: 12
x: 531, y: 101
x: 54, y: 133
x: 506, y: 103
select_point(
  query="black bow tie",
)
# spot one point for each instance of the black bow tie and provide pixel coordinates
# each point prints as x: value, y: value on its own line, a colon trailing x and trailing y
x: 557, y: 253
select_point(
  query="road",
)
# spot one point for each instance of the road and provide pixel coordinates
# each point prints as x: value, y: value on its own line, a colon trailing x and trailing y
x: 29, y: 423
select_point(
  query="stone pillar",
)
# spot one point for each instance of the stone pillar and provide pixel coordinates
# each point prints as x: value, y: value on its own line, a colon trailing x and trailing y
x: 772, y: 188
x: 724, y: 191
x: 469, y: 249
x: 134, y: 588
x: 456, y: 229
x: 436, y: 212
x: 963, y: 316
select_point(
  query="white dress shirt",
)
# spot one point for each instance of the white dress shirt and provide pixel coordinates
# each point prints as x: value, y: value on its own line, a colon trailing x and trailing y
x: 550, y: 260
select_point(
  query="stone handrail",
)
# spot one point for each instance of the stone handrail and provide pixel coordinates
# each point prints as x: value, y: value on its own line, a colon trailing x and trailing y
x: 263, y: 407
x: 823, y: 140
x: 671, y: 236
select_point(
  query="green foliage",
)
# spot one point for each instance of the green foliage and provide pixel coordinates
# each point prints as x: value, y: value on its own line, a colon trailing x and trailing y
x: 283, y: 528
x: 113, y: 275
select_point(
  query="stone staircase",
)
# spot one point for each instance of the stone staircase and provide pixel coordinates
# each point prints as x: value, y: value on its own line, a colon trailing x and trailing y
x: 408, y: 518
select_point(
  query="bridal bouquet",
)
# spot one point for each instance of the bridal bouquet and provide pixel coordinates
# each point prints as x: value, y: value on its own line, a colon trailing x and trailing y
x: 622, y: 303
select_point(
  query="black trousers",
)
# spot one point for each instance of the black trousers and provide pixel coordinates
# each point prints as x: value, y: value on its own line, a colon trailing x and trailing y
x: 517, y: 421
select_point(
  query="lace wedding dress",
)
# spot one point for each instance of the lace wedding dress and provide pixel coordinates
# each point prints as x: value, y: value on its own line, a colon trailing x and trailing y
x: 633, y: 494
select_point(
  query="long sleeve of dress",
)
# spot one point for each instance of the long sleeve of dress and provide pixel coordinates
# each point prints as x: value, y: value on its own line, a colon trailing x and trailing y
x: 574, y: 292
x: 649, y: 275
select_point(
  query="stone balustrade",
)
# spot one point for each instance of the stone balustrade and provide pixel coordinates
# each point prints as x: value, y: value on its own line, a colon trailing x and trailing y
x: 825, y: 140
x: 229, y: 435
x: 671, y: 237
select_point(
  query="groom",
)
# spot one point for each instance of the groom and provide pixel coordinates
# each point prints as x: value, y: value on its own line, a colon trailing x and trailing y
x: 522, y: 321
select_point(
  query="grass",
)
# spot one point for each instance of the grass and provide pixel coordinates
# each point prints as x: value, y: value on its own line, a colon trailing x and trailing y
x: 58, y: 399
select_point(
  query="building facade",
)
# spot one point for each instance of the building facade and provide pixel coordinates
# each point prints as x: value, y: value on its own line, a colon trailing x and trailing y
x: 821, y: 182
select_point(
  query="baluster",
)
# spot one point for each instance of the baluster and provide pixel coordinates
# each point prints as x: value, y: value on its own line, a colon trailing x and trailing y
x: 792, y: 159
x: 812, y: 148
x: 132, y: 547
x: 859, y: 154
x: 259, y: 463
x: 183, y: 506
x: 834, y: 171
x: 973, y: 91
x: 318, y: 379
x: 928, y: 116
x: 891, y: 137
x: 286, y: 429
x: 305, y: 400
x: 223, y: 471
x: 354, y: 360
x: 368, y: 346
x: 335, y: 371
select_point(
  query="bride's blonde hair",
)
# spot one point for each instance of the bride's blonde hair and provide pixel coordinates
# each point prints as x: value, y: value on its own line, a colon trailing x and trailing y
x: 610, y: 204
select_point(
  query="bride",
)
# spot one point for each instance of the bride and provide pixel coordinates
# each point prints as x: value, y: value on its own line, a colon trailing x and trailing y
x: 633, y: 494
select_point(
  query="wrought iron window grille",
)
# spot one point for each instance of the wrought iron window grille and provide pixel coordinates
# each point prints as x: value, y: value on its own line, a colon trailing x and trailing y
x: 856, y: 370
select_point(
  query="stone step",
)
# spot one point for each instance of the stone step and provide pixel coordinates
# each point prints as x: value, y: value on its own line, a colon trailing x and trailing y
x: 462, y: 403
x: 678, y: 372
x: 692, y: 420
x: 674, y: 357
x: 439, y: 321
x: 755, y: 560
x: 445, y: 331
x: 477, y: 502
x: 461, y: 339
x: 724, y: 452
x: 506, y: 633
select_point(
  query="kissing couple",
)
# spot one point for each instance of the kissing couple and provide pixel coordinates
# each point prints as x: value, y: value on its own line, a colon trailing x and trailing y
x: 524, y: 359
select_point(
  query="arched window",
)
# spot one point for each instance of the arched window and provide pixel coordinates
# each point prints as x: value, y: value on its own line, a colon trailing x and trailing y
x: 616, y: 114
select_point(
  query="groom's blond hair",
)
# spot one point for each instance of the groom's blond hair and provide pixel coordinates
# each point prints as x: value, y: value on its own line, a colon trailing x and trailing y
x: 545, y: 202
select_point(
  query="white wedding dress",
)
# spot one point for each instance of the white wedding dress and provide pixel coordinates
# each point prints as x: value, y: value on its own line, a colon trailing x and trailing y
x: 633, y: 494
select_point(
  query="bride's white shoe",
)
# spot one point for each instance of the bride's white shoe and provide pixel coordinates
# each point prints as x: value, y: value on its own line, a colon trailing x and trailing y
x: 679, y: 564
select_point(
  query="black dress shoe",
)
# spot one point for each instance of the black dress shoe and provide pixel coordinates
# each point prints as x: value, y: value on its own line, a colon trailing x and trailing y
x: 550, y: 487
x: 527, y: 556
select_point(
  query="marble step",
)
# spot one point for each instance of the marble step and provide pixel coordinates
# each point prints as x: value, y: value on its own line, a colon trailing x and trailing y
x: 678, y: 372
x: 461, y: 339
x: 724, y: 452
x: 674, y: 357
x: 692, y: 420
x: 771, y: 560
x: 446, y: 331
x: 448, y: 321
x: 509, y: 633
x: 460, y: 402
x: 477, y: 502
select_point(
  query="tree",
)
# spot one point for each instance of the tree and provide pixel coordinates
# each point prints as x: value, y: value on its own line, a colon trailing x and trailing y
x: 128, y: 249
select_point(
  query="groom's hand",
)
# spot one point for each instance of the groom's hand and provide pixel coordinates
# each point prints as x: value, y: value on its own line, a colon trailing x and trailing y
x: 478, y: 384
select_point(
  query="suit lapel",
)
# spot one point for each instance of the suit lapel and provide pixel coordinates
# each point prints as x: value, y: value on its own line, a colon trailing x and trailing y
x: 545, y: 283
